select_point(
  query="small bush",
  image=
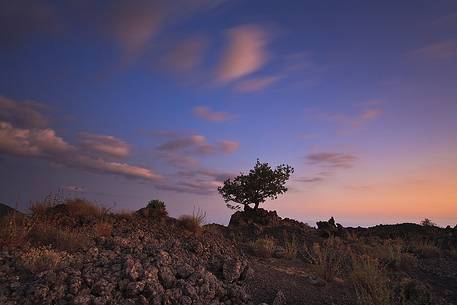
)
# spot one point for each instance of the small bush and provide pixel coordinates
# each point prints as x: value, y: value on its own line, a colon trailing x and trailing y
x: 79, y: 207
x: 424, y: 248
x: 330, y: 259
x: 103, y: 229
x: 127, y: 214
x: 263, y: 247
x: 14, y: 229
x: 370, y: 282
x: 411, y: 292
x: 290, y: 249
x: 156, y: 209
x: 41, y: 259
x: 193, y: 223
x: 50, y: 201
x: 428, y: 223
x: 45, y: 234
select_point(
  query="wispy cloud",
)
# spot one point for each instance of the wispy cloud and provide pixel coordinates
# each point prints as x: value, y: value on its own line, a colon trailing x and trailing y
x: 31, y: 142
x: 22, y: 114
x: 196, y: 144
x: 185, y: 55
x: 211, y: 115
x: 309, y: 179
x: 228, y: 147
x: 105, y: 145
x: 331, y: 159
x: 256, y: 84
x: 244, y: 53
x: 132, y: 24
x: 351, y: 122
x: 440, y: 50
x: 44, y: 143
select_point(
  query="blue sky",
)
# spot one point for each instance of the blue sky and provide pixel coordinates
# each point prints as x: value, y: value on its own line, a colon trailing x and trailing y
x: 124, y: 101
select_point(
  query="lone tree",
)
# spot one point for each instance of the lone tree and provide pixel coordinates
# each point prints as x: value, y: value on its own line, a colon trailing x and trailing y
x: 262, y: 182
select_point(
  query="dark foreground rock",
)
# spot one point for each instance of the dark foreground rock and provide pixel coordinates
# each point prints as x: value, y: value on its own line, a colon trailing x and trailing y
x: 140, y: 263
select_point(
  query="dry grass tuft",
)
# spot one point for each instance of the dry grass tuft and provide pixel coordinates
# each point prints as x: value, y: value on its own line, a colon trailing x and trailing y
x: 126, y: 214
x: 330, y: 259
x: 370, y: 282
x: 103, y: 229
x: 46, y: 234
x: 290, y: 249
x: 193, y: 223
x: 14, y: 229
x: 263, y: 247
x: 424, y: 248
x: 41, y: 259
x: 50, y: 201
x: 79, y: 207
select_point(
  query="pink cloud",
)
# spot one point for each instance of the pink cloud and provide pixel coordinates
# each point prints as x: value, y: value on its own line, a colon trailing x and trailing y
x: 244, y: 53
x: 332, y: 159
x: 30, y: 143
x: 186, y: 55
x: 228, y: 147
x: 132, y: 24
x: 210, y: 115
x: 104, y: 144
x: 45, y: 144
x: 22, y: 114
x: 438, y: 50
x: 256, y: 84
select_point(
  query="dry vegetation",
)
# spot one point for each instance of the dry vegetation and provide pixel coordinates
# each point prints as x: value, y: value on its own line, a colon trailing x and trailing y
x: 193, y: 223
x: 42, y: 259
x: 263, y: 247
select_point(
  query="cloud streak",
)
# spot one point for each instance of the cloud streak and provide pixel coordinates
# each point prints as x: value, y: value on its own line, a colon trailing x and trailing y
x: 208, y: 114
x: 40, y: 142
x: 244, y: 53
x: 196, y: 144
x: 440, y: 50
x: 23, y: 114
x: 332, y: 159
x: 256, y: 84
x: 105, y: 145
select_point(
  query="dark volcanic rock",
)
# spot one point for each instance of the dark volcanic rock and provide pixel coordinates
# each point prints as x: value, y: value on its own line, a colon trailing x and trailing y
x: 143, y: 263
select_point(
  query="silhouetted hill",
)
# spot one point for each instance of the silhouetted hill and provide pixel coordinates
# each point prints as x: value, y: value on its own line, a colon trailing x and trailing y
x: 5, y: 209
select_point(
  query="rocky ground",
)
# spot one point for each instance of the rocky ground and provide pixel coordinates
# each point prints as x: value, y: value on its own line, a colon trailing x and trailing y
x: 60, y: 257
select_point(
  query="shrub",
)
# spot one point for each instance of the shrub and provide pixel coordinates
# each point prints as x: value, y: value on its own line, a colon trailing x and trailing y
x: 193, y: 223
x: 103, y: 229
x: 330, y: 259
x: 424, y: 248
x: 393, y: 254
x: 50, y: 201
x: 80, y: 207
x: 156, y: 209
x: 370, y: 282
x: 127, y: 214
x: 428, y: 223
x: 411, y: 292
x: 41, y: 259
x: 45, y: 234
x: 290, y: 249
x: 14, y: 229
x: 263, y: 247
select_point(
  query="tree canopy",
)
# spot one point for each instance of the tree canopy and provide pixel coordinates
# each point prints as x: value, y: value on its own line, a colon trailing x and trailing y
x: 261, y: 183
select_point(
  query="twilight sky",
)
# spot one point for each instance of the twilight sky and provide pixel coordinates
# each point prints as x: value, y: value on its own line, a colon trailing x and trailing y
x: 125, y: 101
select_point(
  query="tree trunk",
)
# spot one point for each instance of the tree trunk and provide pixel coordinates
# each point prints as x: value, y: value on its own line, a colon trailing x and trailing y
x: 256, y: 206
x: 246, y: 207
